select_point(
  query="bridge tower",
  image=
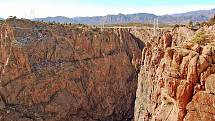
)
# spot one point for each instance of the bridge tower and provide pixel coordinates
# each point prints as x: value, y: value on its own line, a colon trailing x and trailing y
x: 32, y: 14
x: 25, y: 14
x: 157, y: 25
x: 103, y: 22
x: 154, y: 28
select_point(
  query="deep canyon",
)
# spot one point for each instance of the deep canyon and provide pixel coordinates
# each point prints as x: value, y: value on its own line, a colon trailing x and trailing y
x: 55, y: 72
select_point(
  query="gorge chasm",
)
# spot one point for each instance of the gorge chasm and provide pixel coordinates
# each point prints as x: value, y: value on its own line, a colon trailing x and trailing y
x: 55, y: 72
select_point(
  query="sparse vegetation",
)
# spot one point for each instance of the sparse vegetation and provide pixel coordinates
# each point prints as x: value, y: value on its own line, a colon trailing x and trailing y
x: 200, y: 38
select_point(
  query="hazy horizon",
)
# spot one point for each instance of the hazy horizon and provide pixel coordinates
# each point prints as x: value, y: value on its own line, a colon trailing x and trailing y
x: 89, y: 8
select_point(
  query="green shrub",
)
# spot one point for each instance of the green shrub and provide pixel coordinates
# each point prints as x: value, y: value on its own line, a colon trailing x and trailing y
x: 200, y: 37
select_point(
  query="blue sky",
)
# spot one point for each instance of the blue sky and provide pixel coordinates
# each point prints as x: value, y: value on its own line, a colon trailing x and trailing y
x: 73, y: 8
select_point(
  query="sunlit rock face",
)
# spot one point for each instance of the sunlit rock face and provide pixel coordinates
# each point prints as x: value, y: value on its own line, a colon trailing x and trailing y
x: 176, y: 79
x: 67, y: 73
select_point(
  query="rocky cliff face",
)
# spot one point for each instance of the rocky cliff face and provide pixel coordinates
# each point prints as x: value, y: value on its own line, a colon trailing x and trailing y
x: 66, y: 73
x: 78, y: 73
x: 176, y: 79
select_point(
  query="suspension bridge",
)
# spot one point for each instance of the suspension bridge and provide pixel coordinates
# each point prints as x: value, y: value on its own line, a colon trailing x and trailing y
x: 156, y: 29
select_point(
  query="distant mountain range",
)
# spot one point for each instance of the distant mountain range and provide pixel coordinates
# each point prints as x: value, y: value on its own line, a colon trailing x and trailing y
x: 182, y: 18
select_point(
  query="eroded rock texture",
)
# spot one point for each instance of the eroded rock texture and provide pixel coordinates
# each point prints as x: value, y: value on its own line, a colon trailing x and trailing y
x: 176, y: 81
x: 64, y: 73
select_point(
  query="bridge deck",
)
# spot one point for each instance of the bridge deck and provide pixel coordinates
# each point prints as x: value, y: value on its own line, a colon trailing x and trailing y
x: 136, y: 28
x: 113, y: 27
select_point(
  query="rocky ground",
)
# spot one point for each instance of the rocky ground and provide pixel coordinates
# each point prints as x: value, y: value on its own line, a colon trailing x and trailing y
x: 177, y: 77
x: 66, y: 73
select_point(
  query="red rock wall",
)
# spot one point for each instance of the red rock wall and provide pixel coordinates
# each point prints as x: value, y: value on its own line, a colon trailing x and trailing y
x: 68, y: 74
x: 176, y: 83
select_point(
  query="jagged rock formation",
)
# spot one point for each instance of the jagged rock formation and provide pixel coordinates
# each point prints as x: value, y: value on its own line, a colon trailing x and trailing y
x: 64, y: 73
x: 176, y: 80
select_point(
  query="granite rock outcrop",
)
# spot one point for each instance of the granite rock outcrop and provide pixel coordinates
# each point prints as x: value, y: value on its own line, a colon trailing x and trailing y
x: 66, y: 72
x: 176, y: 79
